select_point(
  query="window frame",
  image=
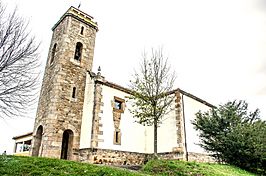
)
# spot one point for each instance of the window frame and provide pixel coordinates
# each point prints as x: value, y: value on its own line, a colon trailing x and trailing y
x: 122, y: 104
x: 117, y: 137
x: 78, y: 49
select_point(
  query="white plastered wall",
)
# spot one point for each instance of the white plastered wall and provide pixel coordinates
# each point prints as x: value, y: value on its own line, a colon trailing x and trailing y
x: 129, y: 129
x: 191, y: 107
x: 134, y: 137
x: 167, y: 132
x: 86, y: 125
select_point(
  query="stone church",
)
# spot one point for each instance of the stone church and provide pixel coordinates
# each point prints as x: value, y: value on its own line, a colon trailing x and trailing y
x: 83, y: 117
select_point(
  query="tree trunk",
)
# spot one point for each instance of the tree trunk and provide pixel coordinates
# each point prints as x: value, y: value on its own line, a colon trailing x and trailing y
x: 155, y: 138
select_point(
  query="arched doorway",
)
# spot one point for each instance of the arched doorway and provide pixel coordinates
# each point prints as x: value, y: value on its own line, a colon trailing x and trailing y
x: 67, y: 141
x: 37, y: 141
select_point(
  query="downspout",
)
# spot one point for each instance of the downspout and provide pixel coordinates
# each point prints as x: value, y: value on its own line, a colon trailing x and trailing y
x: 184, y: 121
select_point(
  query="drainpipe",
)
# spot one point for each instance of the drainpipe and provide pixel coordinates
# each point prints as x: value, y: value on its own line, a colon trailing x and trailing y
x: 184, y: 121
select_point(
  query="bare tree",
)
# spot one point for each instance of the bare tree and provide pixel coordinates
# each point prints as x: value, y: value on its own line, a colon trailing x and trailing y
x: 150, y: 91
x: 19, y: 62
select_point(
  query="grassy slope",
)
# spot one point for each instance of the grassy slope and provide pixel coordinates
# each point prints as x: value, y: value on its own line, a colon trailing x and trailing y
x: 182, y: 168
x: 29, y: 166
x: 11, y: 165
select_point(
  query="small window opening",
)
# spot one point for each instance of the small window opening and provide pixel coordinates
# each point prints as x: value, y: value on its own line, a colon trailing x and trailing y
x: 116, y: 137
x: 74, y: 92
x: 81, y: 31
x: 53, y: 53
x: 118, y: 104
x: 78, y: 51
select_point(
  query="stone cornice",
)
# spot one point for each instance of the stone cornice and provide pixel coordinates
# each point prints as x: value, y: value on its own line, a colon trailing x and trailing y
x: 79, y: 15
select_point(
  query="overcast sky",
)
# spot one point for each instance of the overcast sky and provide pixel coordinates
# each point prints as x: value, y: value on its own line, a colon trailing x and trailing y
x: 216, y: 47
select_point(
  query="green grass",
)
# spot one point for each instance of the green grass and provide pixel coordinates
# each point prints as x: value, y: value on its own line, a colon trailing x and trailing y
x: 183, y: 168
x: 29, y: 166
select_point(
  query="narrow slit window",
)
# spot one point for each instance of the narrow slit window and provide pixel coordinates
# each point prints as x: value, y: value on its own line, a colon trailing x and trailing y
x: 78, y: 51
x: 74, y: 91
x: 53, y: 53
x: 81, y: 31
x: 116, y: 137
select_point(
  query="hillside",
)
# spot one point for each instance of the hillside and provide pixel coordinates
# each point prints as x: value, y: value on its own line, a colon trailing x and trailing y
x: 183, y: 168
x: 29, y: 166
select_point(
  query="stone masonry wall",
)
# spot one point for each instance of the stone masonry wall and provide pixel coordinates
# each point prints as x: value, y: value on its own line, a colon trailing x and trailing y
x: 200, y: 157
x: 111, y: 157
x: 57, y: 110
x: 179, y: 125
x: 97, y: 113
x: 115, y: 157
x: 47, y: 101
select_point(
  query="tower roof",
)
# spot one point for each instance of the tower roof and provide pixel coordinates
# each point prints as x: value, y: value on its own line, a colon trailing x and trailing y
x: 79, y: 15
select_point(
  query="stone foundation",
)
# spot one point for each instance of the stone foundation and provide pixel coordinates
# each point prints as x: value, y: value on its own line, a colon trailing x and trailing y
x: 112, y: 157
x: 170, y: 156
x: 115, y: 157
x: 200, y: 157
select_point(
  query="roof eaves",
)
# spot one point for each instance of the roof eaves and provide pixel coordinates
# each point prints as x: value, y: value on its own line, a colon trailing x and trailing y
x: 195, y: 98
x: 23, y: 135
x: 126, y: 90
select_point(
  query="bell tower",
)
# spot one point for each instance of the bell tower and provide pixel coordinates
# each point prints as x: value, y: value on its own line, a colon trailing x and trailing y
x: 58, y: 120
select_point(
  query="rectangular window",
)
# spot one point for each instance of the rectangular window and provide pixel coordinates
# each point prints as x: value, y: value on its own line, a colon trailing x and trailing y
x: 117, y: 138
x: 74, y: 92
x: 53, y: 54
x: 19, y: 147
x: 78, y: 51
x: 81, y: 31
x: 26, y: 146
x: 118, y: 104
